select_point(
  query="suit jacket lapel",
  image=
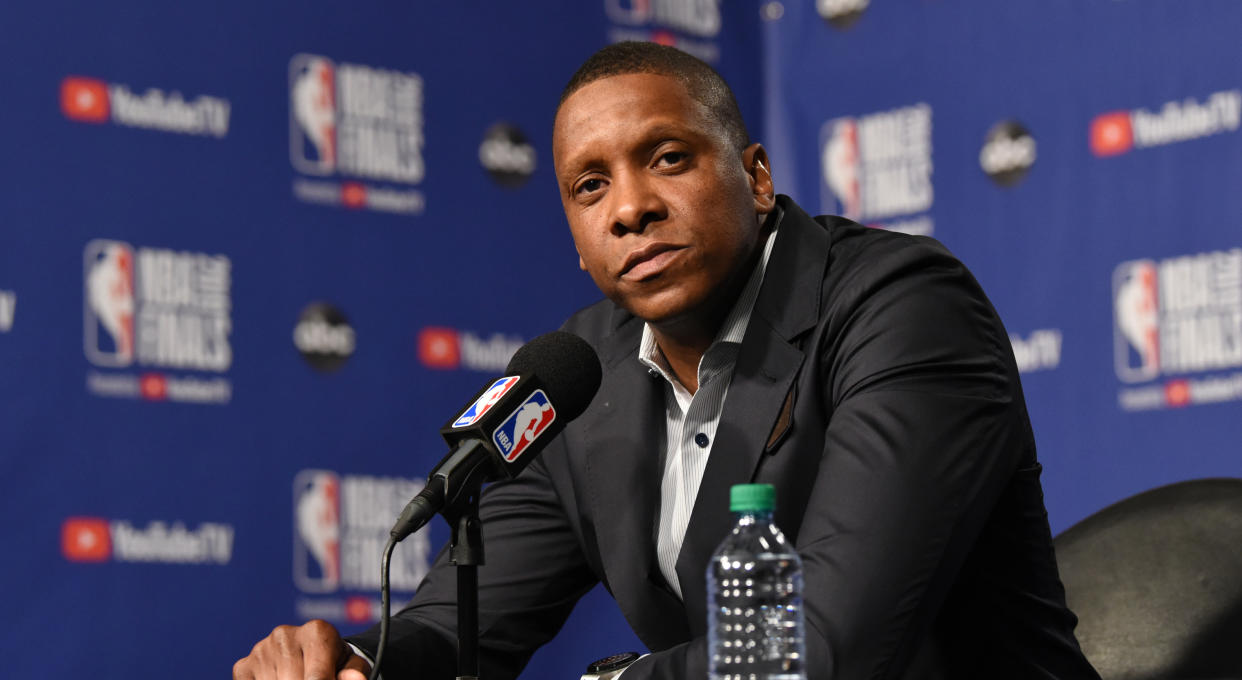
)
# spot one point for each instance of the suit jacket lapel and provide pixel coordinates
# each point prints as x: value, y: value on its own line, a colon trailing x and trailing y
x: 624, y: 464
x: 767, y: 364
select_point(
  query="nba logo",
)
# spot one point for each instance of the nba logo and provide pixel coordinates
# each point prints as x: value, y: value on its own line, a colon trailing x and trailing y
x: 485, y: 402
x: 312, y: 114
x: 317, y: 539
x: 524, y: 426
x: 1136, y: 314
x: 109, y: 293
x: 841, y: 192
x: 631, y: 12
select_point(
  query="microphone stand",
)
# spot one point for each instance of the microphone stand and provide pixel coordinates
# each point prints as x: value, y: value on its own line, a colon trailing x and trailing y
x: 466, y: 553
x: 454, y: 487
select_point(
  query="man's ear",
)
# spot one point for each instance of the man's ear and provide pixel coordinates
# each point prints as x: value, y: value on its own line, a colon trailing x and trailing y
x: 581, y: 264
x: 755, y: 162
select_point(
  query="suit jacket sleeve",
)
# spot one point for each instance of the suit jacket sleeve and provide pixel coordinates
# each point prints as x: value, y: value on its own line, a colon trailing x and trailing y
x: 534, y: 573
x: 927, y: 429
x: 910, y: 394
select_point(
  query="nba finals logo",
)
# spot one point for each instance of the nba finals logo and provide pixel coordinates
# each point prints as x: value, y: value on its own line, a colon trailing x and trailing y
x: 691, y: 26
x: 159, y: 310
x: 877, y: 168
x: 340, y: 526
x: 359, y: 131
x: 1178, y: 330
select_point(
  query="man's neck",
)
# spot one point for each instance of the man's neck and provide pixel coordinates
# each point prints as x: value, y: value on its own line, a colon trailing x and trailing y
x: 683, y: 352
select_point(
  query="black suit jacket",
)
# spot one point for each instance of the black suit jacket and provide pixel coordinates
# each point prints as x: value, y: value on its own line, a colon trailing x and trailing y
x: 876, y: 389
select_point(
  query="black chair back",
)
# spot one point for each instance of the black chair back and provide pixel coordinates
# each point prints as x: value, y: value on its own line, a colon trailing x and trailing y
x: 1156, y: 582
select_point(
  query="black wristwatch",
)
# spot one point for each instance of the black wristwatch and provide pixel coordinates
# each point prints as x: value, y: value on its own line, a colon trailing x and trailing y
x: 610, y: 666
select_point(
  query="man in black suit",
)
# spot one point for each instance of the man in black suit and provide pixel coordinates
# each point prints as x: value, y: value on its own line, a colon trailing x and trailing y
x: 862, y: 373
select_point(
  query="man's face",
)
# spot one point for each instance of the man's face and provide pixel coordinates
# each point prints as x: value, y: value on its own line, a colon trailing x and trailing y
x: 664, y: 213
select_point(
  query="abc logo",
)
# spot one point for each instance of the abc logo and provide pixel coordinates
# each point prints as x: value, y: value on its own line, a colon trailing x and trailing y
x: 1008, y: 153
x: 841, y: 14
x: 324, y: 337
x: 507, y: 155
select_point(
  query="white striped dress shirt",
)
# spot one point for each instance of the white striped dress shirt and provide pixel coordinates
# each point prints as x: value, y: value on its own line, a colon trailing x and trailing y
x: 691, y: 419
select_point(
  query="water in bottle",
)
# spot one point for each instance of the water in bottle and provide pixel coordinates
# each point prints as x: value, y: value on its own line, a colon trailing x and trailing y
x: 754, y: 596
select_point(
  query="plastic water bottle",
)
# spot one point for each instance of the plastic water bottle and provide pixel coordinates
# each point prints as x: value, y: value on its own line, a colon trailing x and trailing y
x: 754, y: 596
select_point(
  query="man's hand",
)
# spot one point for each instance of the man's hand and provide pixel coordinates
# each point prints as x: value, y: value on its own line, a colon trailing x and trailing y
x: 312, y: 651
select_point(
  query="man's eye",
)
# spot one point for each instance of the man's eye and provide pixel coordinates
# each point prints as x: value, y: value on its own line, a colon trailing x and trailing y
x: 672, y: 158
x: 590, y: 185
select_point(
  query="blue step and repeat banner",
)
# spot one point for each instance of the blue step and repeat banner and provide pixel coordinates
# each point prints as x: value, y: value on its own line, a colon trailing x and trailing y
x: 253, y: 255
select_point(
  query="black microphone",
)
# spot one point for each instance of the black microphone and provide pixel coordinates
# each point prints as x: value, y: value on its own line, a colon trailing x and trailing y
x: 548, y: 382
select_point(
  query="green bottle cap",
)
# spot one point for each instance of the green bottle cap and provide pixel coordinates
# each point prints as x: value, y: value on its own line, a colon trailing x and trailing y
x: 752, y: 498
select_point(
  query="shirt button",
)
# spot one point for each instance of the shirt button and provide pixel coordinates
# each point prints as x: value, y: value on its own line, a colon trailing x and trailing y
x: 702, y: 440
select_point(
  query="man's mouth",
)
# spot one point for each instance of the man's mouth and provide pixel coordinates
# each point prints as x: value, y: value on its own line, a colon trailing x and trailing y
x: 649, y: 261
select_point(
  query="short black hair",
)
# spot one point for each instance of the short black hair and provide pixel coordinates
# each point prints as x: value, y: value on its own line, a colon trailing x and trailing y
x: 702, y: 81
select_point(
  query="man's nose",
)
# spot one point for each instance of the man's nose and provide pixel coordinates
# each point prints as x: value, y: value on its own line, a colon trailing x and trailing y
x: 637, y: 203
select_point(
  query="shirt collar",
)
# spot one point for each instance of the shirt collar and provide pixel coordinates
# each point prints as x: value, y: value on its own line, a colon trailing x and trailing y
x: 734, y: 327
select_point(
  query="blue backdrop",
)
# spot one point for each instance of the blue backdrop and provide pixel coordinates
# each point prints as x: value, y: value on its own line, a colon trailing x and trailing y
x: 253, y: 255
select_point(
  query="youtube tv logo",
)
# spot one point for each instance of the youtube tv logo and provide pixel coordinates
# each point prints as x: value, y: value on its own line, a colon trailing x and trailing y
x: 84, y: 99
x: 97, y: 540
x: 449, y: 349
x: 439, y: 348
x: 92, y: 100
x: 1175, y: 121
x: 1112, y: 133
x: 86, y: 539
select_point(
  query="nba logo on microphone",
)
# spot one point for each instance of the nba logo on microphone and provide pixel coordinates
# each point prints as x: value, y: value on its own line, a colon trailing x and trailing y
x: 524, y: 426
x: 1136, y: 305
x: 317, y: 543
x: 109, y: 303
x: 484, y: 403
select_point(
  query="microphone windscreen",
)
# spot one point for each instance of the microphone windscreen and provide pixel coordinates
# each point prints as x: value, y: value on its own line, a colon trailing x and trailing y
x: 567, y: 367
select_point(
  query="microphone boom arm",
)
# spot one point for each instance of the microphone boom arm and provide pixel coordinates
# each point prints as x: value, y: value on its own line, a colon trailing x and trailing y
x: 458, y: 476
